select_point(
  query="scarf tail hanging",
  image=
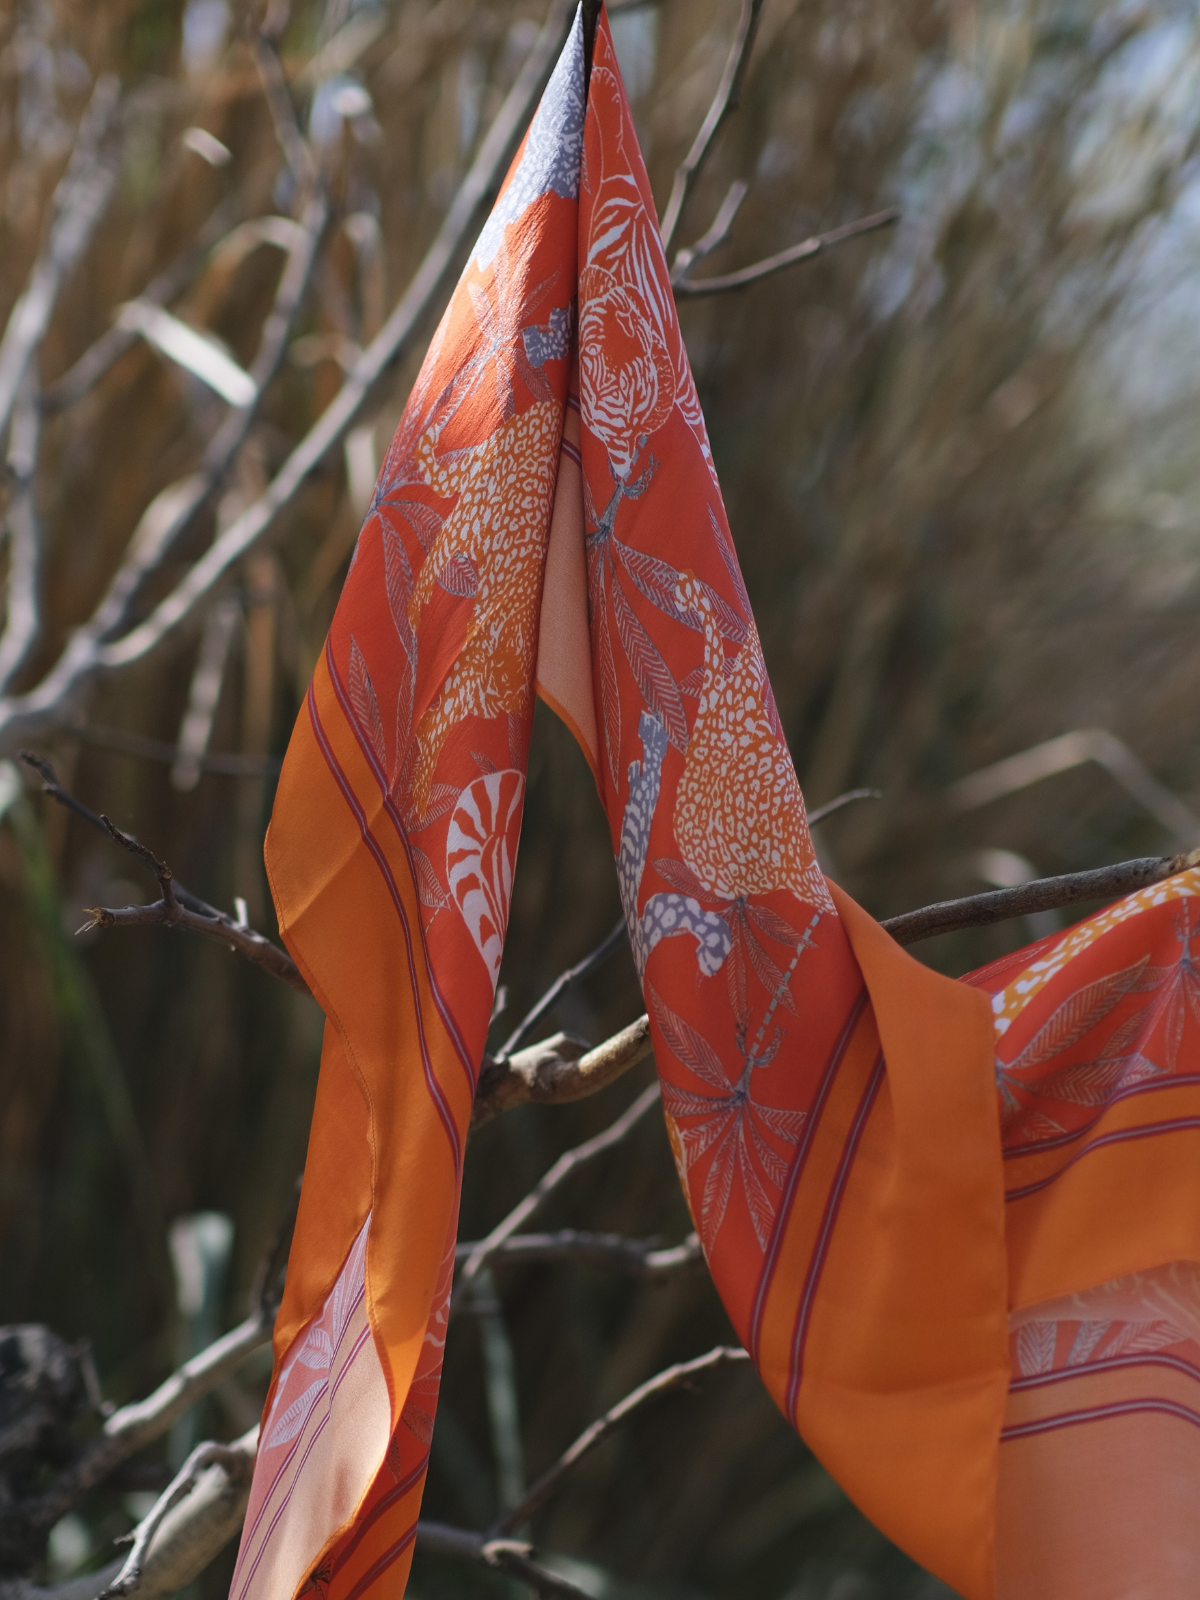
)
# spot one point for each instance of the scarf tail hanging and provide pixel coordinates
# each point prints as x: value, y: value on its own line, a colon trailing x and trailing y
x: 549, y: 510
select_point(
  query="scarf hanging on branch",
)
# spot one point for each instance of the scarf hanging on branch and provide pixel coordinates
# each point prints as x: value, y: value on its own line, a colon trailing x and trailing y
x: 980, y: 1309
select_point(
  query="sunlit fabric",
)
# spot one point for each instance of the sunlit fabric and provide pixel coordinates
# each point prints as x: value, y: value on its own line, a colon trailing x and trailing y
x: 981, y: 1309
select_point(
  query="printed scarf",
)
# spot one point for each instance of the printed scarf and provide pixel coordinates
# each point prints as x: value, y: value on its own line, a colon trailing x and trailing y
x: 955, y: 1224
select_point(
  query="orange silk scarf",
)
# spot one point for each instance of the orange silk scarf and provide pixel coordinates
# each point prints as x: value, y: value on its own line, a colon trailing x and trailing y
x: 981, y: 1311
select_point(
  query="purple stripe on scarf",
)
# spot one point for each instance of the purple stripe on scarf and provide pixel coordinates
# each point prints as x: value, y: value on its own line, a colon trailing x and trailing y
x: 799, y: 1158
x: 832, y: 1206
x: 1148, y: 1130
x: 381, y: 862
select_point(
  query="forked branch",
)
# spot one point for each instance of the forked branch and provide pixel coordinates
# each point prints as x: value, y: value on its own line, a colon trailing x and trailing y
x: 175, y: 907
x: 723, y: 102
x: 687, y: 287
x: 504, y: 1555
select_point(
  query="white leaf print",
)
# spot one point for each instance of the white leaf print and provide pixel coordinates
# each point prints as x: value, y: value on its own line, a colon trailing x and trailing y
x: 365, y: 704
x: 317, y: 1349
x: 1035, y: 1348
x: 292, y: 1421
x: 1089, y: 1336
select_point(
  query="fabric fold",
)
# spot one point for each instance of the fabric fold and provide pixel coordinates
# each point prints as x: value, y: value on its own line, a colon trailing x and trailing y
x: 880, y: 1162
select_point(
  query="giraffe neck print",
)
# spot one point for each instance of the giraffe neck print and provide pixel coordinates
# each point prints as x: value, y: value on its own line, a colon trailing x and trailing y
x: 491, y: 548
x: 739, y: 815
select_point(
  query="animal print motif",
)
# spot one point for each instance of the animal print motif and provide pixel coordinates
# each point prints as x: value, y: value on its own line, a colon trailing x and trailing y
x: 665, y: 913
x: 645, y: 777
x: 668, y: 913
x: 481, y: 856
x: 739, y: 814
x: 493, y: 543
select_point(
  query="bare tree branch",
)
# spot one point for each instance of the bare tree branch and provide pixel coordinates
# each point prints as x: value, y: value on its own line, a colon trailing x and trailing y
x: 555, y: 1072
x: 79, y: 201
x: 144, y: 557
x: 177, y: 907
x: 641, y: 1258
x: 676, y: 1377
x: 724, y: 101
x: 152, y: 1557
x: 715, y: 235
x: 134, y: 1426
x: 191, y: 1522
x: 558, y: 1070
x: 211, y: 923
x: 506, y: 1555
x: 22, y: 624
x: 686, y: 287
x: 1075, y: 749
x: 569, y: 1162
x: 1044, y: 894
x: 87, y: 653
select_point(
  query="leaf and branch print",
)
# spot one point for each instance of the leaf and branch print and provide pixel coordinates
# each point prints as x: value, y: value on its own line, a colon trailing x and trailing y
x: 1040, y: 1084
x: 726, y: 1123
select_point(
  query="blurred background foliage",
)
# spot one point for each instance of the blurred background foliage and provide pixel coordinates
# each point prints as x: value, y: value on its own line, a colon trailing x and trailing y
x: 959, y: 464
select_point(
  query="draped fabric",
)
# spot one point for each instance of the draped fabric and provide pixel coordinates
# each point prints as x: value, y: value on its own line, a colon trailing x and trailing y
x: 957, y: 1225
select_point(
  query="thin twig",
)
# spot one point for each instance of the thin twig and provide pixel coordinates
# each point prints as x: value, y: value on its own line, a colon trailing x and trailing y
x: 724, y: 101
x: 678, y: 1376
x: 569, y: 1162
x: 79, y: 202
x: 1044, y: 894
x: 1068, y: 750
x: 23, y: 621
x: 641, y: 1258
x: 851, y: 797
x: 213, y: 925
x: 505, y: 1555
x: 559, y: 987
x: 177, y: 907
x: 691, y: 287
x: 142, y: 559
x: 146, y: 856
